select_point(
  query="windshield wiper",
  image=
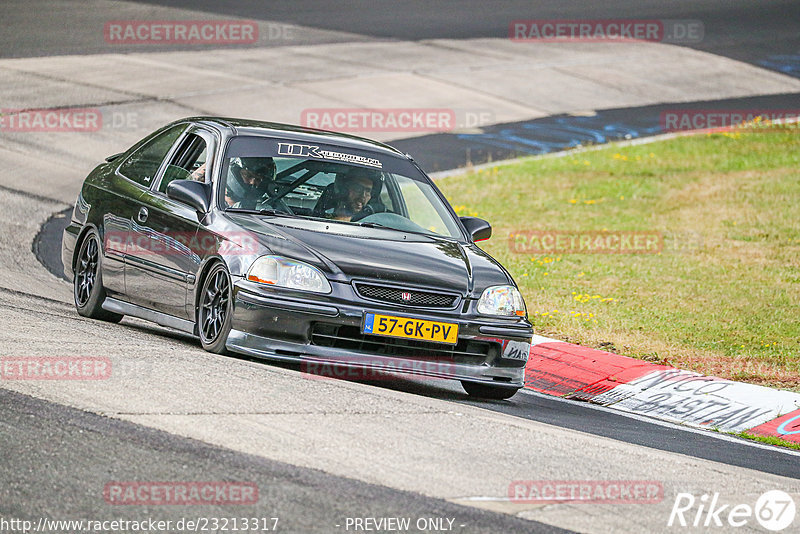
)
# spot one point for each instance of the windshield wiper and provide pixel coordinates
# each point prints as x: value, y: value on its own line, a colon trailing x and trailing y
x: 372, y: 225
x: 272, y: 212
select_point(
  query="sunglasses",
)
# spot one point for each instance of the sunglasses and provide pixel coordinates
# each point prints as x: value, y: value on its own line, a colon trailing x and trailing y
x: 360, y: 189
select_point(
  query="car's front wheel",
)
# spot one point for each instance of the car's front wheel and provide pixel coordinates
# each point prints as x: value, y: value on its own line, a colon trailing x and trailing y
x: 214, y: 311
x: 88, y: 283
x: 486, y: 391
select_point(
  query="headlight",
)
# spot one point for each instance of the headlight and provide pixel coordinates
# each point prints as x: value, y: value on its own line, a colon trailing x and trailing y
x: 283, y: 272
x: 502, y: 300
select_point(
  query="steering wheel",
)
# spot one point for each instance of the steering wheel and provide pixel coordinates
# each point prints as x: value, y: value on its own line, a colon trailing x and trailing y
x: 275, y: 203
x: 368, y: 210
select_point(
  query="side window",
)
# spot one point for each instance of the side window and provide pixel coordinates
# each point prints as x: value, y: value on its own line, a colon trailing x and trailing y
x: 188, y: 163
x: 386, y: 196
x: 421, y: 208
x: 142, y: 165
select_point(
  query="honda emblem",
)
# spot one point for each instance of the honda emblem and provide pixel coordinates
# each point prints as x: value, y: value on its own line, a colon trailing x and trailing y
x: 406, y: 296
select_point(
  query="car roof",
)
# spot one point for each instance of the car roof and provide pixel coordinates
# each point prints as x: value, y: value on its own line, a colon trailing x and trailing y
x: 237, y: 127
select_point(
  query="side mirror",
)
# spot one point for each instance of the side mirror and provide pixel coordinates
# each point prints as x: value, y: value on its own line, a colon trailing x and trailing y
x: 195, y: 194
x: 479, y: 229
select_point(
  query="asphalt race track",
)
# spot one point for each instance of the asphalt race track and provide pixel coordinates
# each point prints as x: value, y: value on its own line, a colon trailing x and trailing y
x: 325, y: 452
x: 748, y: 31
x: 304, y: 500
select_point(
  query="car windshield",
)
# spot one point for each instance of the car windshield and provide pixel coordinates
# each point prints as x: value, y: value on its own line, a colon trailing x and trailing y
x: 337, y: 184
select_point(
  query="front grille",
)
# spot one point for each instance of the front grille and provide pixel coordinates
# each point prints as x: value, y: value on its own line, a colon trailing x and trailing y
x: 394, y: 295
x: 350, y: 338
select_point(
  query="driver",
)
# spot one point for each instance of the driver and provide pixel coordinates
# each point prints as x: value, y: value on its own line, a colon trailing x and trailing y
x: 248, y: 181
x: 355, y: 193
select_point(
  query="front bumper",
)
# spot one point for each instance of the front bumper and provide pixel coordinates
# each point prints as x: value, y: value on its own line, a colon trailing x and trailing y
x: 320, y: 330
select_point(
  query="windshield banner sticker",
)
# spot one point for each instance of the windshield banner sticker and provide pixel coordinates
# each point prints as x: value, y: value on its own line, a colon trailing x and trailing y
x: 313, y: 151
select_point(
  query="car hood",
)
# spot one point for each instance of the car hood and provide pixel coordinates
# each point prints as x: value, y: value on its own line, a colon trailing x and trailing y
x: 347, y: 252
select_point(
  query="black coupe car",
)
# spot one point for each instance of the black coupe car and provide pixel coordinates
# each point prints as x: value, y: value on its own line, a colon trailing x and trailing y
x: 295, y: 244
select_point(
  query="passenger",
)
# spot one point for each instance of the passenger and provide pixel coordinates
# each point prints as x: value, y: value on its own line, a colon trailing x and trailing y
x: 354, y: 193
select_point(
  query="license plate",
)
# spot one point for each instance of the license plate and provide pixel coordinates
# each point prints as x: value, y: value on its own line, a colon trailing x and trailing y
x: 410, y: 328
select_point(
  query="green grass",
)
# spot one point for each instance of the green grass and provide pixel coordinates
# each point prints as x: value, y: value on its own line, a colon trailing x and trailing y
x: 723, y: 295
x: 769, y: 440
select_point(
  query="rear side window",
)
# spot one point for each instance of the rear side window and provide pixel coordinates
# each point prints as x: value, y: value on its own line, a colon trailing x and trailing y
x: 142, y: 166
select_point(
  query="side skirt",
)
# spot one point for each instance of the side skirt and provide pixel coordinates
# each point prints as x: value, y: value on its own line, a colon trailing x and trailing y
x: 126, y: 308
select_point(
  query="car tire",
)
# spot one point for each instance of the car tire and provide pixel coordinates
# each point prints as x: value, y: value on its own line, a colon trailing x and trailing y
x: 87, y: 284
x: 214, y: 309
x: 485, y: 391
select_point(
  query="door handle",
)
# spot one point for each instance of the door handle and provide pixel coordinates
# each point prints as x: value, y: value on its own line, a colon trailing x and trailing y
x: 142, y: 216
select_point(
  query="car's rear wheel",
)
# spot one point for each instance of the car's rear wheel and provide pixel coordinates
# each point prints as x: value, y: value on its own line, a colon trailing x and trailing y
x: 214, y: 311
x: 88, y: 283
x: 486, y: 391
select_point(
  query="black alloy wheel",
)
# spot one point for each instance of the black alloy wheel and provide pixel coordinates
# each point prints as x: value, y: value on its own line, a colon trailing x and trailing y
x: 214, y: 312
x: 88, y: 283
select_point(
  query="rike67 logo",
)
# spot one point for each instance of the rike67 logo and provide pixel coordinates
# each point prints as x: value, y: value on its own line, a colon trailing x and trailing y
x: 774, y: 510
